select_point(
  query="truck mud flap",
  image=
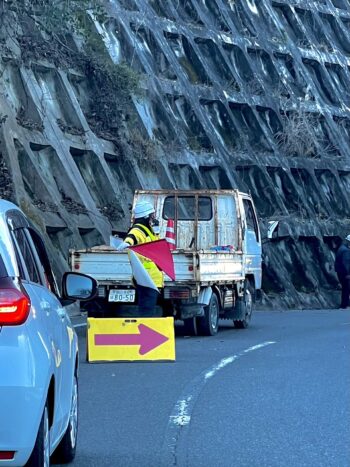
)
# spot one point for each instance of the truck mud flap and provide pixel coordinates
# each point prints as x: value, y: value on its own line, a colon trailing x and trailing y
x: 237, y: 312
x: 190, y: 311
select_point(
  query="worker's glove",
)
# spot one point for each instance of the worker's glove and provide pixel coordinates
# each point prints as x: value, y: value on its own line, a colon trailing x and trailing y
x: 155, y: 226
x: 122, y: 246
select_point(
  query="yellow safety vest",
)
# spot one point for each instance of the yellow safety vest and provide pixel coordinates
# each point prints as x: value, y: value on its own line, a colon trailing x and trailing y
x: 137, y: 235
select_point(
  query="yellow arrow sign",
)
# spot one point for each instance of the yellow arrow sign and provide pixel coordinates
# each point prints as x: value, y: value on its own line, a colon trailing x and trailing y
x: 129, y: 339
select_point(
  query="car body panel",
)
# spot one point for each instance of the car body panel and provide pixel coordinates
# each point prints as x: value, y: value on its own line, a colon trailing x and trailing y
x: 22, y: 386
x: 33, y: 354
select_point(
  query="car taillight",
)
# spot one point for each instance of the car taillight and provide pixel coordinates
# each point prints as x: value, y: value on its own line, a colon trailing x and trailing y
x: 14, y: 307
x: 7, y: 455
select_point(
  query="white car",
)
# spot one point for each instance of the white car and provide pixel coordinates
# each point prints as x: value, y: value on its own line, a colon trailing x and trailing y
x: 38, y: 349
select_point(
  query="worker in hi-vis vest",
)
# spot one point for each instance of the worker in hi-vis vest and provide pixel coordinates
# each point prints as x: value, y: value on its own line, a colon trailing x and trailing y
x: 143, y: 231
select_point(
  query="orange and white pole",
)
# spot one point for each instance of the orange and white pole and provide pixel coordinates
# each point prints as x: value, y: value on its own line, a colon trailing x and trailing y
x: 170, y: 234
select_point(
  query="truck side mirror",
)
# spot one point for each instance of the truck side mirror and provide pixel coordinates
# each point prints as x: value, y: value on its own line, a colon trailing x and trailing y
x: 77, y: 286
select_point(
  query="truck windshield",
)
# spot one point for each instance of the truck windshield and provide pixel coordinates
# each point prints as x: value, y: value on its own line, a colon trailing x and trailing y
x: 186, y: 208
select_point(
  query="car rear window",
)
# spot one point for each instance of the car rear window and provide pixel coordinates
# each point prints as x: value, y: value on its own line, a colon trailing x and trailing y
x: 3, y: 272
x: 27, y: 254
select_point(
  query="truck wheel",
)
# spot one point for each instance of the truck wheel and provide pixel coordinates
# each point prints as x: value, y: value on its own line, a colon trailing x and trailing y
x: 247, y: 302
x: 208, y: 324
x: 190, y: 327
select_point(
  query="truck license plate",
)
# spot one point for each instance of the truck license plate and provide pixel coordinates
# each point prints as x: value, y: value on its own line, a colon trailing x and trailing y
x: 121, y: 295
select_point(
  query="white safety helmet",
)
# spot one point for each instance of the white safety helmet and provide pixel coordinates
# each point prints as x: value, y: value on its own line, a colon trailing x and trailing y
x: 143, y: 209
x: 347, y: 238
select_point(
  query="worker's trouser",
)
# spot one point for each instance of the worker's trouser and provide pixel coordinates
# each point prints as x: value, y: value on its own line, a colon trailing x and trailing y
x: 345, y: 291
x: 147, y: 301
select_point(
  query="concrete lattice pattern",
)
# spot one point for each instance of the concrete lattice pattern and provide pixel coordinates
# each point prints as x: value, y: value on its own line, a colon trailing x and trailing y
x: 251, y: 94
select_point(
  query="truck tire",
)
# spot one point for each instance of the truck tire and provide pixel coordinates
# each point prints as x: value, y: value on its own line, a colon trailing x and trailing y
x: 247, y: 303
x: 208, y: 324
x: 190, y: 327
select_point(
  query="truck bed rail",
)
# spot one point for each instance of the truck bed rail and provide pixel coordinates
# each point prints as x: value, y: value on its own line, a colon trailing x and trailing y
x: 109, y: 265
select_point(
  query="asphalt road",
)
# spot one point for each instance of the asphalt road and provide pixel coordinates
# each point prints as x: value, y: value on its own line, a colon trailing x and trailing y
x: 274, y: 395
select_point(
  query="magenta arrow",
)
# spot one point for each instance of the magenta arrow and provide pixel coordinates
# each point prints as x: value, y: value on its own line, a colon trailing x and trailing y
x: 148, y: 339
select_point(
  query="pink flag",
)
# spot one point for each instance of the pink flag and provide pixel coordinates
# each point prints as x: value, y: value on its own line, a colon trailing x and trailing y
x: 159, y: 253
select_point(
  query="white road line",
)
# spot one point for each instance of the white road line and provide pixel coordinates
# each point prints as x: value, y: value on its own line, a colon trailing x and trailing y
x: 180, y: 417
x: 259, y: 346
x: 226, y: 361
x: 181, y: 414
x: 219, y: 366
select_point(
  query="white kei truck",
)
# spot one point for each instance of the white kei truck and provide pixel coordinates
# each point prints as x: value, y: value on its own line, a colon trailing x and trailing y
x: 217, y: 261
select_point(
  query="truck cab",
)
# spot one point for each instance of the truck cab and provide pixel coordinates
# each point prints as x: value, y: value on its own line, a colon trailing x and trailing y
x: 205, y: 220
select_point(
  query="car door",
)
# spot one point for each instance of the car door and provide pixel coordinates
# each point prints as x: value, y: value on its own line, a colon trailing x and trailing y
x: 67, y: 340
x: 252, y: 242
x: 46, y: 321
